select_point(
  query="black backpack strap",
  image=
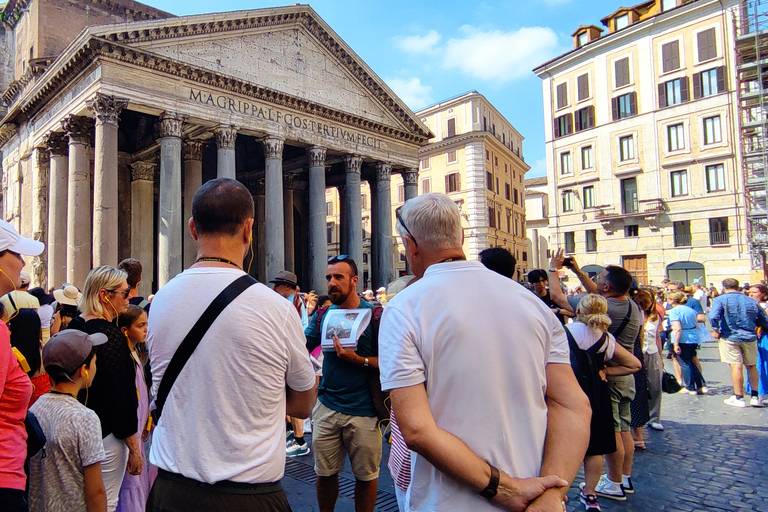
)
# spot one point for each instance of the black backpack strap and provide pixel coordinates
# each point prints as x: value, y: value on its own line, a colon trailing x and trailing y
x: 624, y: 322
x: 193, y: 337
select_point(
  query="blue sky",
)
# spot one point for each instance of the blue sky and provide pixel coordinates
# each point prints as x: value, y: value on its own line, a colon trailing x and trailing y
x: 428, y: 51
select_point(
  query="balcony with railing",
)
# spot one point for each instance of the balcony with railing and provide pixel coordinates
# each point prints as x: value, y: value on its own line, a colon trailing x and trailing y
x: 718, y: 237
x: 632, y: 209
x: 683, y: 240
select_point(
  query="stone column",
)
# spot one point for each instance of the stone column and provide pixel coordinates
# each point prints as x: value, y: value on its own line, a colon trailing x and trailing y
x: 142, y: 221
x: 260, y: 243
x: 318, y: 246
x: 273, y: 205
x: 225, y: 154
x: 79, y: 221
x: 374, y: 236
x: 411, y: 185
x: 40, y: 214
x: 57, y: 212
x: 193, y: 180
x: 169, y: 247
x: 288, y: 239
x: 354, y: 227
x: 383, y: 225
x: 343, y: 246
x: 105, y: 227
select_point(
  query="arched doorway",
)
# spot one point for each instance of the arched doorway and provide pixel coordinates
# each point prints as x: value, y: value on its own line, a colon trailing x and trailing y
x: 686, y: 271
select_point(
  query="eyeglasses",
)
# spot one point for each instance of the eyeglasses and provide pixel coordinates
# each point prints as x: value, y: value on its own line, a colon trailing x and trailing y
x: 338, y: 258
x: 124, y: 292
x: 400, y: 220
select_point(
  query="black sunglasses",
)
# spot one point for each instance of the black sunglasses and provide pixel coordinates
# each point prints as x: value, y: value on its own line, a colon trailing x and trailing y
x: 400, y: 220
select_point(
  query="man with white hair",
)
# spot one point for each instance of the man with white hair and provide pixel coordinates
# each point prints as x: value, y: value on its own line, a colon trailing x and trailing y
x: 451, y: 350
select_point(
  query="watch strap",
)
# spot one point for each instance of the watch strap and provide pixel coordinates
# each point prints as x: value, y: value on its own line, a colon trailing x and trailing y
x: 493, y: 486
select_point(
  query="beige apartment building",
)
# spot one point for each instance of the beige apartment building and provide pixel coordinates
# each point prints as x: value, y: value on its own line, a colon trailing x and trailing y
x: 537, y: 222
x: 642, y: 142
x: 476, y: 157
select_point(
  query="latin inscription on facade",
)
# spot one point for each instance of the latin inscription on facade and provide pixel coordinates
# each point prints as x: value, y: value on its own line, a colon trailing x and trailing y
x: 276, y: 116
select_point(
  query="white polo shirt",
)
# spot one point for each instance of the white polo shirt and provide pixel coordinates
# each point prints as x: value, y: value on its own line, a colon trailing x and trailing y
x: 481, y: 343
x: 224, y: 418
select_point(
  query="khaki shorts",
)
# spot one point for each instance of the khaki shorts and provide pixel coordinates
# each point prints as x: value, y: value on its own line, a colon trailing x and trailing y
x: 735, y: 352
x: 622, y: 392
x: 336, y: 433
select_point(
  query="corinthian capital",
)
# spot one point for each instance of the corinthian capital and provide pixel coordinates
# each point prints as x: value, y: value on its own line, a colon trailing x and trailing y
x: 411, y: 176
x: 143, y: 171
x: 225, y: 136
x: 383, y: 171
x: 316, y: 156
x: 273, y: 146
x: 107, y: 108
x: 170, y: 124
x: 57, y: 143
x: 353, y: 163
x: 78, y: 129
x: 43, y: 157
x: 193, y: 150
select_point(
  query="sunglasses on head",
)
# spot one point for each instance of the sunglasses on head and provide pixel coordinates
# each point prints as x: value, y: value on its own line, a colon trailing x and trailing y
x: 400, y: 220
x: 338, y: 258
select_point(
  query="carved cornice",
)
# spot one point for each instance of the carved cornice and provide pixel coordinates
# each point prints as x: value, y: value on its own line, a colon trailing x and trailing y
x: 273, y: 146
x: 383, y: 171
x: 410, y: 176
x: 57, y: 143
x: 225, y: 136
x: 95, y: 48
x: 353, y: 163
x: 143, y: 171
x: 7, y: 131
x: 107, y: 108
x: 316, y: 156
x: 14, y: 9
x: 43, y: 158
x: 78, y: 129
x: 193, y: 150
x: 170, y: 124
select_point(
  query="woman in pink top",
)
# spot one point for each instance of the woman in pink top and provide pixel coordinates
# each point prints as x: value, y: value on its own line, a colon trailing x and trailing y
x: 16, y: 386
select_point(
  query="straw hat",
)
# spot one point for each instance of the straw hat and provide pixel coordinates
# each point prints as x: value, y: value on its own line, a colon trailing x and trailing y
x: 70, y: 295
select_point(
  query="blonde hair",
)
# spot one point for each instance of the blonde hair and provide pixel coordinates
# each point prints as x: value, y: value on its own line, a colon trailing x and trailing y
x: 100, y: 278
x: 677, y: 297
x: 593, y: 311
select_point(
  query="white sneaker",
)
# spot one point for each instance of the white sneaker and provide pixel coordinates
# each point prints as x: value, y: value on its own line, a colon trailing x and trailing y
x: 297, y: 450
x: 755, y: 402
x: 610, y: 490
x: 308, y: 426
x: 657, y: 426
x: 735, y: 402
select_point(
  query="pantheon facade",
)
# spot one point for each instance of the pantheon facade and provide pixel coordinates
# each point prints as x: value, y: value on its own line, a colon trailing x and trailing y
x: 106, y: 139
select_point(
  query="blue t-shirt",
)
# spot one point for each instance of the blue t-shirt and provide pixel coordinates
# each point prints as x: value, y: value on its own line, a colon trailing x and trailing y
x: 687, y: 318
x: 344, y: 386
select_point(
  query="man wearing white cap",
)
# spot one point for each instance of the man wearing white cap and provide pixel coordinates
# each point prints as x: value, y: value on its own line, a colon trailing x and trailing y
x: 16, y: 386
x: 19, y: 298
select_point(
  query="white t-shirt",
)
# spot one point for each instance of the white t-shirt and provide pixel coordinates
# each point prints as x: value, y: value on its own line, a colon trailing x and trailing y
x: 72, y: 443
x: 700, y: 296
x: 481, y: 343
x: 586, y: 336
x: 45, y: 312
x: 649, y: 340
x: 224, y: 417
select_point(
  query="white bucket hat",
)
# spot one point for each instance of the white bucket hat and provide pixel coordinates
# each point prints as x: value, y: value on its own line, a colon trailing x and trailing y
x: 69, y: 295
x: 11, y: 240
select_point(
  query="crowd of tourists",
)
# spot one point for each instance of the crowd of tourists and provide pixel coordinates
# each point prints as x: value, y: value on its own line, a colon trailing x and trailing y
x: 191, y: 399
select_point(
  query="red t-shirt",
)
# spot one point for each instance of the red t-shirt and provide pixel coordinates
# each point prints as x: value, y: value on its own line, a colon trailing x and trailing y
x: 17, y: 389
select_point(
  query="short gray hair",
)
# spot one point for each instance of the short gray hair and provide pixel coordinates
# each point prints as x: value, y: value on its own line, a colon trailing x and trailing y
x: 434, y: 222
x: 100, y: 278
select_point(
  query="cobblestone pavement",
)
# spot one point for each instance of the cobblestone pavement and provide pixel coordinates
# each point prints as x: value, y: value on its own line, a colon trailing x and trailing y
x: 711, y: 457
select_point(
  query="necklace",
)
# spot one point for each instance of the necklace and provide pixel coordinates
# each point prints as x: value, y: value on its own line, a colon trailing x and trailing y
x: 219, y: 260
x: 446, y: 260
x: 62, y: 393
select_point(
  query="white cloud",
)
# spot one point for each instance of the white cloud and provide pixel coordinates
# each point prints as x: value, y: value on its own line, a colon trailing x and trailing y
x: 538, y: 169
x: 418, y: 44
x: 415, y: 94
x: 497, y: 55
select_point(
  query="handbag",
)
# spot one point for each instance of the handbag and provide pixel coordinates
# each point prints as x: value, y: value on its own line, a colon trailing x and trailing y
x: 35, y: 436
x: 669, y: 383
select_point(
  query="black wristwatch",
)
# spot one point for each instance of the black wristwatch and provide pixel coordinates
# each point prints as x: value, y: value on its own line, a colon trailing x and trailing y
x: 493, y: 486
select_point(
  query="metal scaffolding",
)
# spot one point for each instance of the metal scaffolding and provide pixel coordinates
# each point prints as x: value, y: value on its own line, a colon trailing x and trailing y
x: 751, y: 32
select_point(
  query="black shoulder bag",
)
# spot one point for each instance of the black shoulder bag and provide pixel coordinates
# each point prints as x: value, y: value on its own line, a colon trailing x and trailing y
x: 193, y: 337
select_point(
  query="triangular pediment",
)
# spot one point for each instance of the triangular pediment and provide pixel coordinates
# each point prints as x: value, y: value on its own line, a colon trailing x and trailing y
x: 288, y: 50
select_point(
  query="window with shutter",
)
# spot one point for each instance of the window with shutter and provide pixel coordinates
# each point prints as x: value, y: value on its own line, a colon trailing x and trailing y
x: 697, y: 85
x: 721, y: 79
x: 706, y: 42
x: 451, y: 127
x: 583, y: 87
x: 562, y: 95
x: 670, y: 55
x: 662, y: 95
x: 684, y: 89
x: 621, y: 68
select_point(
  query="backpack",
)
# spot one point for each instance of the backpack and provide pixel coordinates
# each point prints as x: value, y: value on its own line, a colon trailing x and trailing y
x: 586, y: 366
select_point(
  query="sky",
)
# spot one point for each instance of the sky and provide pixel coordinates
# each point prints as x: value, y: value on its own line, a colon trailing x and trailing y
x: 428, y: 51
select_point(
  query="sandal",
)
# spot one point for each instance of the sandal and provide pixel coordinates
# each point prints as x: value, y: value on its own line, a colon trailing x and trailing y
x: 640, y: 446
